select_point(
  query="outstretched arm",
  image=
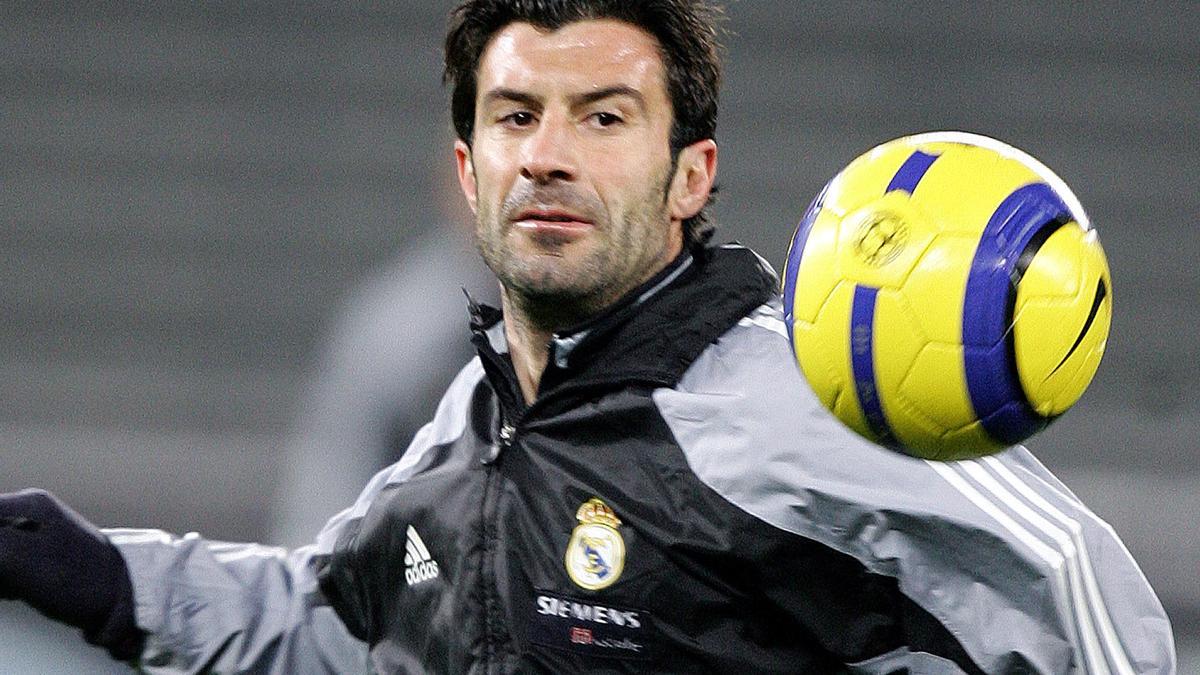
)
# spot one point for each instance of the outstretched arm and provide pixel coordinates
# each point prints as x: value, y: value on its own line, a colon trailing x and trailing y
x: 53, y: 559
x: 234, y: 608
x: 239, y: 608
x: 178, y: 604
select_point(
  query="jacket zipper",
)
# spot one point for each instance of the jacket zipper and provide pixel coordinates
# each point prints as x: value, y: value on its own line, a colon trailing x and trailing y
x: 493, y: 613
x: 487, y: 572
x: 504, y: 384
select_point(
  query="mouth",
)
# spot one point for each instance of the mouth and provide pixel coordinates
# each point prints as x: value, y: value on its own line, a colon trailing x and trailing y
x: 552, y: 226
x: 550, y: 218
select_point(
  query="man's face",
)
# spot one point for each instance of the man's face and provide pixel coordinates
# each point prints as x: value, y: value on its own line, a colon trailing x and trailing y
x: 569, y: 171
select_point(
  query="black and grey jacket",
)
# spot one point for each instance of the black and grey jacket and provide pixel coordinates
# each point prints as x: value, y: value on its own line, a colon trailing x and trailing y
x: 674, y: 501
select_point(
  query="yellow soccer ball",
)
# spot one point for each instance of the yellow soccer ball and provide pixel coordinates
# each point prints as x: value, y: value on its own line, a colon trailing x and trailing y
x: 946, y: 296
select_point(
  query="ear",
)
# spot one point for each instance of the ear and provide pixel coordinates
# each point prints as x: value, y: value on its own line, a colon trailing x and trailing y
x: 695, y: 172
x: 466, y: 172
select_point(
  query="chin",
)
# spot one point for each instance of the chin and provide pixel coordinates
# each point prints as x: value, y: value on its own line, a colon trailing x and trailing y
x: 557, y: 283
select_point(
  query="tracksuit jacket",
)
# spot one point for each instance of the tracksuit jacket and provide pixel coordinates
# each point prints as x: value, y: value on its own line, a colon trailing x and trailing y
x: 675, y: 500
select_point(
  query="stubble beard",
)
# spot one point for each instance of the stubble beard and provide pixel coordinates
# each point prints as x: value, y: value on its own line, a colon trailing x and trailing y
x: 556, y: 287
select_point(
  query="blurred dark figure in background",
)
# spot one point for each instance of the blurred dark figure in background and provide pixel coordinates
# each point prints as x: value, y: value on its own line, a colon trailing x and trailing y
x: 395, y: 344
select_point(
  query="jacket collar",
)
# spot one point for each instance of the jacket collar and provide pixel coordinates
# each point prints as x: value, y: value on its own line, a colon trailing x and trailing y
x: 564, y: 343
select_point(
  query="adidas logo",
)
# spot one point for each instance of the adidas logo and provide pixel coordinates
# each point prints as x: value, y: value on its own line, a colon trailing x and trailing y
x: 418, y: 564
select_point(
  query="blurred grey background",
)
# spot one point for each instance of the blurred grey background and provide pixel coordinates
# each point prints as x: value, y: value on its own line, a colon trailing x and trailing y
x: 202, y: 207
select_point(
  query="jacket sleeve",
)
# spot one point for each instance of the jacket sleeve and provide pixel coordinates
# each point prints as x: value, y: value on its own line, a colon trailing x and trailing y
x: 1025, y: 576
x: 216, y: 607
x: 1001, y: 554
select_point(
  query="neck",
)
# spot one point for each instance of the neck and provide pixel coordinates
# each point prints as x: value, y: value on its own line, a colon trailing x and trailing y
x: 531, y: 322
x: 528, y: 336
x: 529, y: 325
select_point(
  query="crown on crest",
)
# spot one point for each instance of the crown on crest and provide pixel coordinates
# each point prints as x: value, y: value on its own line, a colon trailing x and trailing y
x: 596, y: 511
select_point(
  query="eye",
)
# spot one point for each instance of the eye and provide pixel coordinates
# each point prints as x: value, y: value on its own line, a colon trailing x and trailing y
x: 606, y: 119
x: 521, y: 118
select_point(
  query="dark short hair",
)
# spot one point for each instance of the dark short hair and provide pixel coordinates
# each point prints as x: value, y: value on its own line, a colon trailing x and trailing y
x: 686, y: 31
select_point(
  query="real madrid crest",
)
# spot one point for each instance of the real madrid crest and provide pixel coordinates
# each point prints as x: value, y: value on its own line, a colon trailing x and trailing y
x: 596, y: 552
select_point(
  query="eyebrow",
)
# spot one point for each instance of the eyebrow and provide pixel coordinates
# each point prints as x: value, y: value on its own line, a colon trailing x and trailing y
x: 608, y: 92
x: 524, y: 98
x: 502, y: 94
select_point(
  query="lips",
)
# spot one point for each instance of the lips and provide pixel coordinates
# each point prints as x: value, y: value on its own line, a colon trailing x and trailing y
x: 551, y: 217
x: 552, y: 227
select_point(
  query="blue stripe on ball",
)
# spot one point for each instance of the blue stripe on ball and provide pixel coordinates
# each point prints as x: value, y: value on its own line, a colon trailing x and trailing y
x: 993, y: 383
x: 911, y: 172
x: 862, y: 360
x: 792, y: 267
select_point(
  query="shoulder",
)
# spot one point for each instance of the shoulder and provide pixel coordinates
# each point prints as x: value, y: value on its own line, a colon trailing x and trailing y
x: 752, y: 429
x: 744, y: 397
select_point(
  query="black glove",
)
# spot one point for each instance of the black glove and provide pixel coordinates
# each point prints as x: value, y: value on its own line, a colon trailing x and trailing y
x: 53, y: 559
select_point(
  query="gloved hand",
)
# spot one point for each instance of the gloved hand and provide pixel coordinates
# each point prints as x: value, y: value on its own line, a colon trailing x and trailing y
x: 53, y: 559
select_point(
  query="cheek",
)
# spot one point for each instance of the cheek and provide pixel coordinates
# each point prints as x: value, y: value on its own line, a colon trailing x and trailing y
x: 633, y: 183
x: 490, y: 185
x: 493, y: 164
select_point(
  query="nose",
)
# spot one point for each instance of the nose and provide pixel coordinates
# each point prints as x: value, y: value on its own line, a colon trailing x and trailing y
x: 548, y: 154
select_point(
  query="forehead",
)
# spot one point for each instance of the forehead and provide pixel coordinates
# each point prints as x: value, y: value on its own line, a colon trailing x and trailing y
x: 585, y: 54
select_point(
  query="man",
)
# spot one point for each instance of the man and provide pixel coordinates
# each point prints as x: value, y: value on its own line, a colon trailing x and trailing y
x: 609, y: 486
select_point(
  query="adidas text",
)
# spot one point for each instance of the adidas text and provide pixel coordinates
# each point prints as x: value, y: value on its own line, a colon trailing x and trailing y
x: 422, y: 571
x: 418, y: 564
